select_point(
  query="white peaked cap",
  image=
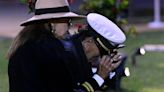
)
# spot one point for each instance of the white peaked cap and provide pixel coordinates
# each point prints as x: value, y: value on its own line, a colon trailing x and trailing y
x: 106, y: 28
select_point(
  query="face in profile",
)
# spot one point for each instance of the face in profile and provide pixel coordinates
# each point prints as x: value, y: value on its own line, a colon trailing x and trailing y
x: 60, y: 27
x: 90, y: 48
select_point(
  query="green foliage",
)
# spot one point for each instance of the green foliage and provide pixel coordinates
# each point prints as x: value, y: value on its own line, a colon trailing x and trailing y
x: 109, y: 8
x: 23, y: 1
x: 115, y: 10
x: 30, y: 4
x: 132, y: 31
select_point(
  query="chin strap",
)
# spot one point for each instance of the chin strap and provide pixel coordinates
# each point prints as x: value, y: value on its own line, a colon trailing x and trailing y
x: 102, y: 45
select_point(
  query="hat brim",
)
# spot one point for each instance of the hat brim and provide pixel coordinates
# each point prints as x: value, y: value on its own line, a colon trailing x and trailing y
x: 45, y: 17
x: 121, y: 46
x: 106, y: 28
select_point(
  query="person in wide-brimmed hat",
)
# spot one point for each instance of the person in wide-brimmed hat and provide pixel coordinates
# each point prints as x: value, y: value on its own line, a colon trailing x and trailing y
x: 38, y: 61
x: 53, y: 12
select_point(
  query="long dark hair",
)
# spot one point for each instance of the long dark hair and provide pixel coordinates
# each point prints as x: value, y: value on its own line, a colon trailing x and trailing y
x: 34, y: 32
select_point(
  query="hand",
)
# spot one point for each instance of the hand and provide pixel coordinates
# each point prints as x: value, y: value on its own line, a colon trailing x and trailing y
x: 104, y: 66
x: 116, y: 57
x: 116, y: 61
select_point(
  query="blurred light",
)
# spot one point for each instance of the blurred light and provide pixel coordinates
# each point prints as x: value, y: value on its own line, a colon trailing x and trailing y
x: 138, y: 51
x: 94, y: 70
x: 127, y: 72
x: 142, y: 51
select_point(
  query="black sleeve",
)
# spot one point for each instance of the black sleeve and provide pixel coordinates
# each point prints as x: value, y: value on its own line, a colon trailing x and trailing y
x: 58, y: 72
x: 39, y: 68
x: 89, y: 86
x: 56, y: 76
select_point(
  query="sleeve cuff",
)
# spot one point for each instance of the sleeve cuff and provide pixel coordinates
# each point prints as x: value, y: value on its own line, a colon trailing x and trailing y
x: 112, y: 74
x: 98, y: 79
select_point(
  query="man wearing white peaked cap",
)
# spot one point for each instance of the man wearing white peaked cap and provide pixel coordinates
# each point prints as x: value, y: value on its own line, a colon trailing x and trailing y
x: 107, y: 34
x: 108, y: 38
x: 100, y: 39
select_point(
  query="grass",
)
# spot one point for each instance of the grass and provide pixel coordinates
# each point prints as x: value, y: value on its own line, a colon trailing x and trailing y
x: 4, y: 45
x: 147, y: 76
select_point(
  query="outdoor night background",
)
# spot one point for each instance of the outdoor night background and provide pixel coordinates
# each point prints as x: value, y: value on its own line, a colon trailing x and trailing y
x: 146, y: 76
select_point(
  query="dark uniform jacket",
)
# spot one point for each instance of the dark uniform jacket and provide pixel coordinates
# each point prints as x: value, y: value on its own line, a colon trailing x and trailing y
x: 45, y: 66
